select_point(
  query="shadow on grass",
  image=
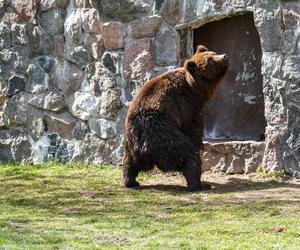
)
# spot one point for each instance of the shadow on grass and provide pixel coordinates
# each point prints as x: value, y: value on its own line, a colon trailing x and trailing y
x: 234, y: 185
x: 163, y: 187
x: 238, y: 185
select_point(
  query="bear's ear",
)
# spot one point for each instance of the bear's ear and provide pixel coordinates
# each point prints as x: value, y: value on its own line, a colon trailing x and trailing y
x: 201, y: 48
x: 190, y: 65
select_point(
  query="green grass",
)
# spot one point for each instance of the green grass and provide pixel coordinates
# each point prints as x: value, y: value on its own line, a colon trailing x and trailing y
x: 84, y: 207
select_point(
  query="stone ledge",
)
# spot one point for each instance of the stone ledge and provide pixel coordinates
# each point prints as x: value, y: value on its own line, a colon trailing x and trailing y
x: 232, y: 157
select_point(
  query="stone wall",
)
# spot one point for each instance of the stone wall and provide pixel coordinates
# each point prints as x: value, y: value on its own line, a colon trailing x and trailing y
x: 69, y: 69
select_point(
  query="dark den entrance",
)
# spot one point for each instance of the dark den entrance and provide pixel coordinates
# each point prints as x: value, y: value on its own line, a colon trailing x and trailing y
x: 237, y: 112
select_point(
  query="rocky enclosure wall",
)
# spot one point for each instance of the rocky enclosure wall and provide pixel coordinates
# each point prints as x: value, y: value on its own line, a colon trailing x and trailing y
x: 69, y: 69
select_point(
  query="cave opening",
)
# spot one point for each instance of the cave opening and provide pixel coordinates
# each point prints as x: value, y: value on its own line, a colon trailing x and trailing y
x: 237, y: 111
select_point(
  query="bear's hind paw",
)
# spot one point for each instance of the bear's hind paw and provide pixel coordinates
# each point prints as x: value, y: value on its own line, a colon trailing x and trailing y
x: 200, y: 187
x: 131, y: 184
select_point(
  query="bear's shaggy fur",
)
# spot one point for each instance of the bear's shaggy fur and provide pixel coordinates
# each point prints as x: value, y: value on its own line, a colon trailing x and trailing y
x: 164, y: 123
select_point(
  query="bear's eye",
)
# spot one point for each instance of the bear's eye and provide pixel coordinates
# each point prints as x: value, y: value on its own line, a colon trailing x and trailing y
x: 210, y: 62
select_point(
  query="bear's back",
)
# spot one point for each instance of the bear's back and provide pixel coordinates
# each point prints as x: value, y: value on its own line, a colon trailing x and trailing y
x: 168, y: 94
x: 160, y: 91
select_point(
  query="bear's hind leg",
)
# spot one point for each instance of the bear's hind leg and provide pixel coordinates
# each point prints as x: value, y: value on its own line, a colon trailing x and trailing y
x: 130, y: 172
x: 176, y: 151
x: 192, y: 174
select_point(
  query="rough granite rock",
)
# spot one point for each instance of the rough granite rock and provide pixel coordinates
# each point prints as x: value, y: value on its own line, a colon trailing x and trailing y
x: 63, y: 124
x: 253, y: 162
x: 138, y: 58
x: 268, y: 23
x: 13, y: 60
x: 233, y: 157
x: 166, y: 45
x: 52, y: 100
x: 292, y: 165
x: 144, y: 27
x: 110, y: 61
x: 19, y: 34
x: 58, y: 49
x: 87, y: 4
x: 59, y: 149
x: 272, y: 63
x: 105, y: 129
x: 23, y: 10
x: 291, y: 154
x: 14, y: 146
x: 80, y: 55
x: 293, y: 142
x: 130, y: 90
x: 52, y: 21
x: 52, y: 147
x: 80, y: 130
x: 172, y: 11
x: 5, y: 35
x: 36, y: 41
x: 294, y: 121
x: 291, y: 68
x: 273, y: 157
x: 212, y: 161
x: 91, y: 20
x: 289, y: 40
x: 15, y: 85
x: 67, y: 77
x: 293, y: 93
x: 90, y: 38
x: 100, y: 78
x: 89, y: 150
x: 3, y: 98
x: 73, y: 28
x: 291, y: 12
x: 117, y: 143
x: 113, y: 35
x: 3, y: 6
x: 235, y: 165
x: 125, y: 10
x: 35, y: 123
x: 275, y: 110
x: 53, y: 4
x: 47, y: 63
x: 95, y: 44
x: 110, y: 104
x: 15, y: 110
x: 38, y: 78
x: 83, y: 105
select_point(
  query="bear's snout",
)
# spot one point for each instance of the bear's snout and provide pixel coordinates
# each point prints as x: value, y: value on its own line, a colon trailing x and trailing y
x: 225, y: 58
x: 222, y: 59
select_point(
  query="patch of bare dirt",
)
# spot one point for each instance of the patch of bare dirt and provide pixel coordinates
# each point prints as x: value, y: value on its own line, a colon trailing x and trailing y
x: 19, y: 223
x: 240, y: 187
x: 111, y: 239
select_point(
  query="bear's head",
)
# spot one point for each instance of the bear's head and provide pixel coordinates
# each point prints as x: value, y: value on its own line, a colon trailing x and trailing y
x: 205, y: 70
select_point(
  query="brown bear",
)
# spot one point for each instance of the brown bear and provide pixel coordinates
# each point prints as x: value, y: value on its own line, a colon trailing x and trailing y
x: 164, y: 123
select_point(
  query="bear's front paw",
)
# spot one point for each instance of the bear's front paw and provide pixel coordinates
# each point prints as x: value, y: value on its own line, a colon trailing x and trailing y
x: 201, y: 187
x: 131, y: 184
